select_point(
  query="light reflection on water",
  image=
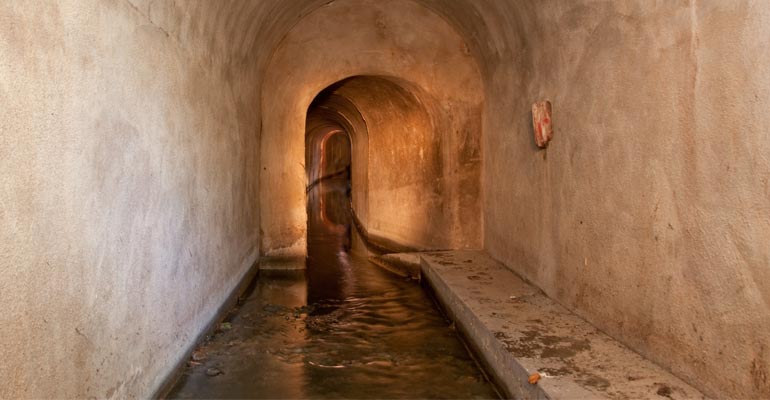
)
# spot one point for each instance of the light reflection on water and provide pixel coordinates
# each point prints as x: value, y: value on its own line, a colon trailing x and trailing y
x: 343, y: 329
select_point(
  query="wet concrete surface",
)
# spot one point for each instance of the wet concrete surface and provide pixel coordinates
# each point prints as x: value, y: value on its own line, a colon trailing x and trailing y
x: 343, y: 328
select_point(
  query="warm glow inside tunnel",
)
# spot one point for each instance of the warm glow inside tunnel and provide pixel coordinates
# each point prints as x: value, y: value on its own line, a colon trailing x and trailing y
x: 156, y: 156
x: 393, y: 155
x: 332, y: 148
x: 414, y: 125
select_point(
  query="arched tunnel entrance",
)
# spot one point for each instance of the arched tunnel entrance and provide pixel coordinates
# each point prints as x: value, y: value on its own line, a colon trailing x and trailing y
x: 393, y: 207
x: 402, y: 193
x: 343, y: 327
x: 398, y: 142
x: 342, y: 122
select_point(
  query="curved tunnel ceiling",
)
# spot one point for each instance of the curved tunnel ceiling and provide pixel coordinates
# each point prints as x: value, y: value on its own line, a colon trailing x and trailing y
x: 249, y: 31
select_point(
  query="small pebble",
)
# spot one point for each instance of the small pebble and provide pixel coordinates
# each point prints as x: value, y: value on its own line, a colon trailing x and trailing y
x: 213, y: 371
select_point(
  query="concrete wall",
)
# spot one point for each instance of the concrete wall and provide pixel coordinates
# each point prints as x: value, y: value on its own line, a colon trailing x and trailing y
x: 130, y: 132
x: 650, y: 211
x: 395, y: 39
x: 128, y: 193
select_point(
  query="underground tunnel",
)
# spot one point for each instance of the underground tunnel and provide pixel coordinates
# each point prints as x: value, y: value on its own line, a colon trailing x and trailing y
x: 352, y: 198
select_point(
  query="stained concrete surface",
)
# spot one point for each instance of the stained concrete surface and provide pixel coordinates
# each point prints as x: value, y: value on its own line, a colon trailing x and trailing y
x: 518, y: 331
x: 649, y: 213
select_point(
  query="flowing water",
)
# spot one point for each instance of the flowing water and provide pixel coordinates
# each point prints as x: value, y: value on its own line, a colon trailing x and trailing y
x: 343, y: 328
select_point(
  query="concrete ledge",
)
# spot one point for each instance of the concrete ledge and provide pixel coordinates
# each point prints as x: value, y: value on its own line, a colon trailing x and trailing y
x: 517, y: 331
x: 402, y: 264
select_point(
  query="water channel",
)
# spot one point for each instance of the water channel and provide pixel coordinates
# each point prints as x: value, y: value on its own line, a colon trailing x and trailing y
x: 341, y: 329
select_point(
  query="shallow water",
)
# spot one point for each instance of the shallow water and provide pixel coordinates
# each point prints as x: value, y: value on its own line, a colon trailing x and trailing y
x: 343, y: 329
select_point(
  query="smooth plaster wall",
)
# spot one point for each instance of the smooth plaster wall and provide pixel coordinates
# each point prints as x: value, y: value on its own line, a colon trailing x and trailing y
x: 345, y: 38
x: 650, y: 211
x: 128, y: 193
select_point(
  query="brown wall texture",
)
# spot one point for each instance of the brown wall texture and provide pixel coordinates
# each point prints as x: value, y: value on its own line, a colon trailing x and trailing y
x: 128, y: 191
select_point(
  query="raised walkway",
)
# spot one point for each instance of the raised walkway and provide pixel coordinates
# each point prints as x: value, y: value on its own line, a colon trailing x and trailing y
x: 532, y: 346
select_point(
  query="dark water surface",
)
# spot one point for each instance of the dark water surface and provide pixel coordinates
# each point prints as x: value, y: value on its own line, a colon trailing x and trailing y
x: 343, y: 329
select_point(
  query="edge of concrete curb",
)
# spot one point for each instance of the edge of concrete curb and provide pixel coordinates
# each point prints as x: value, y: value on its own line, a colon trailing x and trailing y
x: 506, y: 373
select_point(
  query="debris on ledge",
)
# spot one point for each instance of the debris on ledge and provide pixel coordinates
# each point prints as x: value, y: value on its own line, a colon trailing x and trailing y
x: 532, y: 346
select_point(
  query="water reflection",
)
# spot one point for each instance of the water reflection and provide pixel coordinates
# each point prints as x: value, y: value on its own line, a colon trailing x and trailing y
x: 329, y: 268
x: 344, y: 329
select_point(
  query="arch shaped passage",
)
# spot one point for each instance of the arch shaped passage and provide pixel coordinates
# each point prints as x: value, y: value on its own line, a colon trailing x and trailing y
x: 395, y: 187
x: 429, y: 167
x: 333, y: 111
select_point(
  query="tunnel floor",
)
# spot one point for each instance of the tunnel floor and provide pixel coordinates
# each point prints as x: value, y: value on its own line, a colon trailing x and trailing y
x: 343, y: 329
